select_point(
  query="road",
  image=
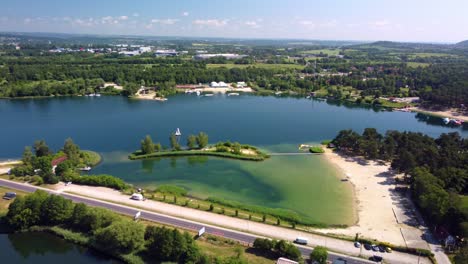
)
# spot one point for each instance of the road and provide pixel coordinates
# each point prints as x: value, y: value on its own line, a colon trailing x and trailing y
x: 169, y: 220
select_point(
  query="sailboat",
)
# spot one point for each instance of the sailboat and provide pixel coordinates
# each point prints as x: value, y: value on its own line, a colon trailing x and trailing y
x: 446, y: 120
x: 198, y: 93
x: 177, y: 133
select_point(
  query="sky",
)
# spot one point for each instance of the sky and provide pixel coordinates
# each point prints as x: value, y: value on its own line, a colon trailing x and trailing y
x: 369, y: 20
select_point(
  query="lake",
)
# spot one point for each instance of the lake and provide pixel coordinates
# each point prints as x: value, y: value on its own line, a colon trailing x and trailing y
x: 114, y: 126
x: 45, y: 248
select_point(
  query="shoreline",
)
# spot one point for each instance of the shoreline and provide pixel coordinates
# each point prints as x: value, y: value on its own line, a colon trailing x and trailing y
x: 450, y: 113
x: 380, y: 209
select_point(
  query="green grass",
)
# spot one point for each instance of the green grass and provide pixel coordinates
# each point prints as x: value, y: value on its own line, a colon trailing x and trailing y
x: 428, y: 55
x: 330, y: 52
x: 5, y: 203
x: 417, y: 64
x: 260, y: 65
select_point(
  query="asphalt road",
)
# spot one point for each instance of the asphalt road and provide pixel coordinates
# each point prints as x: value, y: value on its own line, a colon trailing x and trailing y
x: 172, y: 221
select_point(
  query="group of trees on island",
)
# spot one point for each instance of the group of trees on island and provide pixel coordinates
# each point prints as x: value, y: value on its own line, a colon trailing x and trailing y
x: 37, y: 166
x: 147, y: 146
x: 103, y: 229
x: 436, y: 169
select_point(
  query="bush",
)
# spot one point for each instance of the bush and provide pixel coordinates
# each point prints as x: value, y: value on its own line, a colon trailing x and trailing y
x: 263, y: 244
x: 316, y: 150
x: 120, y: 237
x: 99, y: 180
x: 319, y: 254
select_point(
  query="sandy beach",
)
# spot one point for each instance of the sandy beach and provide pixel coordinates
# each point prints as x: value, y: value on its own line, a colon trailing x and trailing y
x: 383, y: 213
x: 5, y: 166
x: 450, y: 113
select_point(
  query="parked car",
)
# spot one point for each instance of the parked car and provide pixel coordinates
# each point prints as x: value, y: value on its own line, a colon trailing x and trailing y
x: 382, y: 249
x: 376, y: 258
x: 367, y: 246
x: 388, y: 250
x: 375, y: 248
x: 357, y: 244
x: 9, y: 195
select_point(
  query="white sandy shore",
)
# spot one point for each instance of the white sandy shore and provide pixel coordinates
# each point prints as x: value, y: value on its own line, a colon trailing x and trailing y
x: 378, y: 203
x: 226, y: 90
x: 5, y: 166
x: 450, y: 113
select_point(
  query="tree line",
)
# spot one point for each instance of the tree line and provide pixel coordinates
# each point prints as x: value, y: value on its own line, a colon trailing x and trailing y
x: 435, y: 168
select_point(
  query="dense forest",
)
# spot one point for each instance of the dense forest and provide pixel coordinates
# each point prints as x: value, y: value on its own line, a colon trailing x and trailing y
x: 436, y: 169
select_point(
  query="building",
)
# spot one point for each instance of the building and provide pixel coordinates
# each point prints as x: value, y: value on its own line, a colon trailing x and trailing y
x: 241, y: 84
x: 144, y: 49
x: 228, y: 56
x: 130, y: 53
x: 219, y: 85
x: 166, y: 53
x: 286, y: 261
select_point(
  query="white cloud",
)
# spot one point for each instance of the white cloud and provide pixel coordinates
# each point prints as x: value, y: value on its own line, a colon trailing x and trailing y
x: 380, y: 23
x: 27, y: 20
x: 185, y: 13
x: 123, y: 17
x: 210, y: 22
x: 167, y: 21
x: 136, y: 14
x: 252, y: 24
x: 107, y: 20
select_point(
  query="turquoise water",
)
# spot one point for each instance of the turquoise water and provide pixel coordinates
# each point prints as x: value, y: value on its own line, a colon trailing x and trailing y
x: 114, y: 126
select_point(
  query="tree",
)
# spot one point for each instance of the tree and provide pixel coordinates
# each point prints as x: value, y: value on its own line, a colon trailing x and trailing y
x: 263, y: 244
x: 27, y: 156
x: 120, y: 237
x: 71, y: 150
x: 56, y: 210
x: 236, y: 148
x: 319, y: 254
x: 191, y: 141
x: 147, y: 146
x: 202, y: 140
x: 41, y: 148
x: 174, y: 144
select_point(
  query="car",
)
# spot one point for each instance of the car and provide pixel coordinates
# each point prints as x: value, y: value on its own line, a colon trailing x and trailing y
x: 376, y: 258
x: 367, y: 246
x: 9, y: 195
x: 375, y: 248
x: 388, y: 250
x: 357, y: 244
x: 382, y: 249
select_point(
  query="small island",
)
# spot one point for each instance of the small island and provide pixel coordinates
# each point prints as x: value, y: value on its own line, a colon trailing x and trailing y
x: 197, y: 145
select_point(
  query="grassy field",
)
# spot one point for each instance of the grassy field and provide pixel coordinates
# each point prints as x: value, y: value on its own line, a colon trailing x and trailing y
x: 428, y: 55
x: 417, y: 64
x: 5, y: 203
x: 259, y: 65
x: 330, y: 52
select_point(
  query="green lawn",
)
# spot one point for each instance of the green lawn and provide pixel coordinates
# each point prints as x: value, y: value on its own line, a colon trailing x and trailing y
x: 5, y: 203
x: 259, y: 65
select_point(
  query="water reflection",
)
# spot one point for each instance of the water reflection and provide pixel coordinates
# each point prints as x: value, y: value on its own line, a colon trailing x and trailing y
x: 438, y: 121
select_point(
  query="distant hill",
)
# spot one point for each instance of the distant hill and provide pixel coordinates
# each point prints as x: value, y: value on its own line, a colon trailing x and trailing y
x: 462, y: 44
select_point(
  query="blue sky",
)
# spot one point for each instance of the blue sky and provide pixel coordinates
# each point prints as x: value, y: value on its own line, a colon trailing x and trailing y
x: 397, y: 20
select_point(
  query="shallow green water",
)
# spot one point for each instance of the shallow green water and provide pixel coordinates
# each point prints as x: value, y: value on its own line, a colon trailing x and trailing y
x: 114, y: 126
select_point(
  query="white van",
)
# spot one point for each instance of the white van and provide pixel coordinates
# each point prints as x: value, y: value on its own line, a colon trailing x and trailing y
x: 301, y: 240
